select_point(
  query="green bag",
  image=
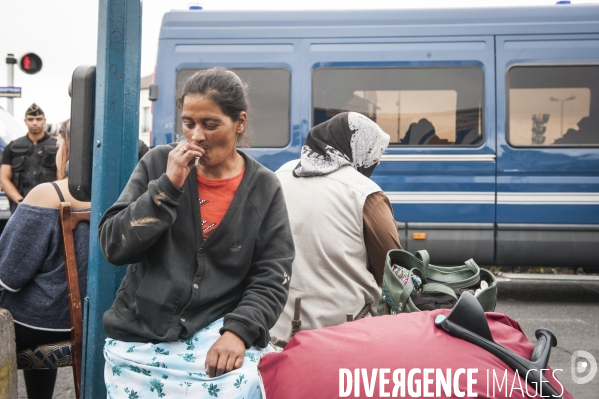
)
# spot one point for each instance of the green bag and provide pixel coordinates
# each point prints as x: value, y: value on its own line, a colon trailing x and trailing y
x: 418, y: 285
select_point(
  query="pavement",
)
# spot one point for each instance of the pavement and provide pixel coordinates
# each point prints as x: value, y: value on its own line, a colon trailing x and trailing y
x: 567, y: 307
x: 64, y: 388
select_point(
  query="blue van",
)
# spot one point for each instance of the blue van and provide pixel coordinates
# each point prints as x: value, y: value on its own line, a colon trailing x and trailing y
x: 493, y: 114
x: 10, y: 130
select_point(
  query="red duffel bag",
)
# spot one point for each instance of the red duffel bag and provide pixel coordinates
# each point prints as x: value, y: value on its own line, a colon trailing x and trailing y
x: 399, y: 356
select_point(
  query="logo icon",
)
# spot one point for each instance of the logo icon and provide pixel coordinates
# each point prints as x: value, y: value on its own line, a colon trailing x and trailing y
x: 582, y: 362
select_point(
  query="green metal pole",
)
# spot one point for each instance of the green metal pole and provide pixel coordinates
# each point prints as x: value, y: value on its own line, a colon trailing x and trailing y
x: 116, y: 131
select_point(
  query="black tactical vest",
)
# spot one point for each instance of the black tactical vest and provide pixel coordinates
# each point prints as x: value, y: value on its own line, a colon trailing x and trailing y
x: 33, y: 164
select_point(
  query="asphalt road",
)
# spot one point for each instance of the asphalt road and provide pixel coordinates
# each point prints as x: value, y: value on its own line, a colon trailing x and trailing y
x: 569, y: 309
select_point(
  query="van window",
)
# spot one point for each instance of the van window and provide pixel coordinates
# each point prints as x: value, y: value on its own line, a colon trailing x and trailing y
x: 415, y: 106
x: 269, y: 93
x: 553, y: 106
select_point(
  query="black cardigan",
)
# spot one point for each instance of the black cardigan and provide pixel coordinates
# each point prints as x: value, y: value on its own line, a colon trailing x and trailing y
x: 177, y: 282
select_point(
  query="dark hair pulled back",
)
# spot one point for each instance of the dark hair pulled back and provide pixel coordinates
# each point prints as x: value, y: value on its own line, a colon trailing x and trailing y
x: 221, y: 86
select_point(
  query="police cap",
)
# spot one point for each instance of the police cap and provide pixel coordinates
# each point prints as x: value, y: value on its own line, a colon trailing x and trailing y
x: 34, y: 110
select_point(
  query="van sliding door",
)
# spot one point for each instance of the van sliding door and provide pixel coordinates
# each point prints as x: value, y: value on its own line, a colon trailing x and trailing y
x: 435, y: 98
x: 548, y: 150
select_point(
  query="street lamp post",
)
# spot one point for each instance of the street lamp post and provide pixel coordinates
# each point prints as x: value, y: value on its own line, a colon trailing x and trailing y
x: 398, y: 114
x: 10, y: 79
x: 561, y: 119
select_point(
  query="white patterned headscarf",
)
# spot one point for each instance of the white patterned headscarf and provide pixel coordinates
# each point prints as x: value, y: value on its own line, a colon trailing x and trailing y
x: 348, y: 138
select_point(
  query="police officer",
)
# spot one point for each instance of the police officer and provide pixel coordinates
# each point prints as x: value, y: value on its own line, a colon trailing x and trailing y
x: 29, y: 160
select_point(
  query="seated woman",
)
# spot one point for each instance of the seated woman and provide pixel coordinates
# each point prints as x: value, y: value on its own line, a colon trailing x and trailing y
x: 341, y: 221
x: 205, y: 230
x: 32, y: 268
x: 422, y: 133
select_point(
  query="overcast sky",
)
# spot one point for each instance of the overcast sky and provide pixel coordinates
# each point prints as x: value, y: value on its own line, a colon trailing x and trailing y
x: 64, y: 34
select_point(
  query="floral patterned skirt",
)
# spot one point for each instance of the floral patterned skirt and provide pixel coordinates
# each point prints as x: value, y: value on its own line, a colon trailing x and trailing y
x: 136, y: 370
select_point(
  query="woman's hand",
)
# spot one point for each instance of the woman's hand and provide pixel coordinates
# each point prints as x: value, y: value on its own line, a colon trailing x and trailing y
x: 225, y: 355
x: 181, y: 160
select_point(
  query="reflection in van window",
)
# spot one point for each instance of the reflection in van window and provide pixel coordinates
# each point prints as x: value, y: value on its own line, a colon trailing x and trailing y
x: 553, y: 106
x: 415, y: 106
x: 269, y: 94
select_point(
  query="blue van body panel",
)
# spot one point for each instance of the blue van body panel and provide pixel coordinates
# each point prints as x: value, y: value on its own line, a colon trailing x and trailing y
x: 562, y: 214
x: 474, y: 182
x: 448, y: 213
x: 500, y: 203
x: 179, y: 25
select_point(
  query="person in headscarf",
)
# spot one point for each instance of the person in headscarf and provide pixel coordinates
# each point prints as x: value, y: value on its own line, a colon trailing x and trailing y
x: 342, y: 223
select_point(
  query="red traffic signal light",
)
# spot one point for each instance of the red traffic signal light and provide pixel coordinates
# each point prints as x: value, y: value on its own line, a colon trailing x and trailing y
x: 30, y: 63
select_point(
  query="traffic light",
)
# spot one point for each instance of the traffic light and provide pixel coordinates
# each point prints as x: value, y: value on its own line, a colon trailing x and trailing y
x: 30, y: 63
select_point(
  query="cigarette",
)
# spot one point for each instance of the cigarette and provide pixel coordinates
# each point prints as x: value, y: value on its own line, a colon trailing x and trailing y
x: 197, y: 161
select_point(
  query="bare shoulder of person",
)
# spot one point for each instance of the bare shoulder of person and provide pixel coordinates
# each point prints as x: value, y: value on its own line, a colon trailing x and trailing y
x: 43, y: 195
x: 75, y: 203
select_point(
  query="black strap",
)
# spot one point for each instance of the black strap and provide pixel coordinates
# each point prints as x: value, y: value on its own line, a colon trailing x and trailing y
x: 58, y: 191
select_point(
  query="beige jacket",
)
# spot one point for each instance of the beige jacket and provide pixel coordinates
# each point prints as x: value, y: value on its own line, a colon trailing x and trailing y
x: 330, y: 271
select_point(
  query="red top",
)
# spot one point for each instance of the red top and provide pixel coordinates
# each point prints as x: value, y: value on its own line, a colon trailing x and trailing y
x: 215, y: 198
